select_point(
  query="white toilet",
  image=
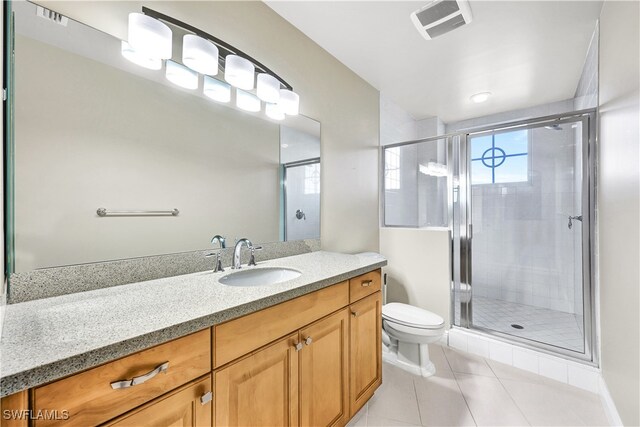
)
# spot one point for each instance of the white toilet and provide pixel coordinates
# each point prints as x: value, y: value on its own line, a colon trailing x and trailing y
x: 406, y: 331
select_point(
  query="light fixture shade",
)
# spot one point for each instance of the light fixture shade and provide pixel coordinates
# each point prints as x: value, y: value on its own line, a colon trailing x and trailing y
x: 199, y: 54
x: 273, y: 111
x: 134, y: 56
x: 150, y: 37
x: 239, y: 72
x: 268, y: 88
x: 289, y: 102
x: 247, y: 101
x: 182, y: 76
x: 216, y: 90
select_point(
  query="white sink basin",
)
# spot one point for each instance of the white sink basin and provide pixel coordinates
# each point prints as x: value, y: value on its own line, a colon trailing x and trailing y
x: 259, y: 276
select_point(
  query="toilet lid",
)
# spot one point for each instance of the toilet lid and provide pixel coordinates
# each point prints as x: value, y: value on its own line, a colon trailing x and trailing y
x: 409, y: 315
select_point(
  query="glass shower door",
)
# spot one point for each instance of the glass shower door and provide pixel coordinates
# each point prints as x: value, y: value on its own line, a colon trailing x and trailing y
x: 523, y: 234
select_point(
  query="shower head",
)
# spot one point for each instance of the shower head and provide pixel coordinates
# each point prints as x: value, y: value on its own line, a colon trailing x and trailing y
x: 553, y: 127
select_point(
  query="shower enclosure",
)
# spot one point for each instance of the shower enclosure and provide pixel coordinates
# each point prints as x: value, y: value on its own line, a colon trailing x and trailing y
x: 520, y: 203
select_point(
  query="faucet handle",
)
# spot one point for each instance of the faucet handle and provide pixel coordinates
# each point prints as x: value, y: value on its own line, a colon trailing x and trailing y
x: 252, y: 256
x: 218, y: 264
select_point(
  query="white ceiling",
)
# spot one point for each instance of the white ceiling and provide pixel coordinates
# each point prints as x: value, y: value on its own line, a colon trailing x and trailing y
x: 525, y: 52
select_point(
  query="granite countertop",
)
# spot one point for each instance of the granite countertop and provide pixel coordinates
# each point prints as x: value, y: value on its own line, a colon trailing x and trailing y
x: 47, y: 339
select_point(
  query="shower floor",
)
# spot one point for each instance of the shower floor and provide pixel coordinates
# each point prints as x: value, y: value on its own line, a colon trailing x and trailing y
x: 551, y: 327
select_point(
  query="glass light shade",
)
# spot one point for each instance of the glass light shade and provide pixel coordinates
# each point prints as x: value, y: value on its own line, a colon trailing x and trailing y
x: 239, y: 72
x: 273, y: 111
x: 182, y: 76
x: 289, y: 102
x: 247, y: 101
x: 134, y: 56
x: 150, y: 37
x: 199, y: 54
x: 217, y: 90
x: 268, y: 88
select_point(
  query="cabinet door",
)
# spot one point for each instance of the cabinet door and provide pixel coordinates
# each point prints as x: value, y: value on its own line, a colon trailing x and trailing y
x: 260, y: 389
x: 365, y: 349
x: 189, y: 406
x: 323, y: 371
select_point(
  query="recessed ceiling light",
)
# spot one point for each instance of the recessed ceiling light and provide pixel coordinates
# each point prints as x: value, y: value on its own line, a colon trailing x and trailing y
x: 480, y: 97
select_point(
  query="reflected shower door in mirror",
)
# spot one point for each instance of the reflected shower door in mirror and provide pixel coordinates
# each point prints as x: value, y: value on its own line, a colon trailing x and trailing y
x: 93, y: 130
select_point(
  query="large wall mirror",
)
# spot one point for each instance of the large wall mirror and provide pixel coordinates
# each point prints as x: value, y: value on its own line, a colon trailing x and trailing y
x: 90, y: 130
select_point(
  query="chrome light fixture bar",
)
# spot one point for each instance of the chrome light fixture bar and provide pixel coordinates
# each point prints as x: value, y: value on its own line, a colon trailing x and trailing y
x: 203, y: 53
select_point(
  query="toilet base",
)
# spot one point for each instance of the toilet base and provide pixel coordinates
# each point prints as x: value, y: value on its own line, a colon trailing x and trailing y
x: 423, y: 371
x: 406, y: 357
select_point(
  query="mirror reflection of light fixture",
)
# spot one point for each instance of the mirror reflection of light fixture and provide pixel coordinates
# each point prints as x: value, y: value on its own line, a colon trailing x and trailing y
x: 480, y: 97
x: 150, y: 37
x: 182, y: 76
x: 273, y: 111
x: 289, y: 102
x: 217, y: 90
x: 134, y: 56
x: 247, y: 101
x: 433, y: 169
x: 268, y: 88
x: 239, y: 72
x: 200, y: 55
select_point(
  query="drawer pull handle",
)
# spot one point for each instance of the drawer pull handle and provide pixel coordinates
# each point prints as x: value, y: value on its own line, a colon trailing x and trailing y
x: 308, y: 341
x: 206, y: 398
x: 141, y: 379
x: 354, y: 313
x: 298, y: 346
x: 367, y: 283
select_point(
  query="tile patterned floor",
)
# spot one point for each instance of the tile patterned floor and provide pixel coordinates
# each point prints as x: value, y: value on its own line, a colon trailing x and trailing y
x: 540, y: 324
x: 468, y: 390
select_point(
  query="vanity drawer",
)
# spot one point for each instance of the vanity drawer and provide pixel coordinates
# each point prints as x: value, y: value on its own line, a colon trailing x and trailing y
x: 245, y: 334
x: 90, y: 399
x: 366, y: 284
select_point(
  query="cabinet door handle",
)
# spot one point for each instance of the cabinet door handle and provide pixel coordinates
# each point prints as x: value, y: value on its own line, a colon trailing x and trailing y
x: 206, y: 398
x: 308, y: 341
x: 141, y: 379
x: 298, y: 346
x: 354, y: 313
x: 367, y: 283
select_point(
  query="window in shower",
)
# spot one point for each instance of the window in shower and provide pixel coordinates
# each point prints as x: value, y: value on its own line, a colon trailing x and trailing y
x: 500, y: 158
x: 392, y: 169
x: 312, y: 179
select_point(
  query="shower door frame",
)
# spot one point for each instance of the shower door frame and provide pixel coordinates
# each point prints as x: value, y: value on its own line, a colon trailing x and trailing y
x: 285, y: 167
x: 460, y: 157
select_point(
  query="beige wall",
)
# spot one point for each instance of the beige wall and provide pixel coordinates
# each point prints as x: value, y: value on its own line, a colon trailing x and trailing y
x: 618, y: 192
x: 345, y: 104
x: 419, y: 269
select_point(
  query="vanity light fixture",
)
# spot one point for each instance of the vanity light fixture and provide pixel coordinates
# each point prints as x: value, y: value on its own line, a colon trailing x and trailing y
x: 150, y: 37
x: 182, y: 76
x: 150, y: 42
x: 134, y: 56
x: 273, y: 111
x: 199, y: 54
x: 268, y: 88
x: 216, y: 89
x: 247, y: 101
x: 480, y: 97
x: 289, y: 102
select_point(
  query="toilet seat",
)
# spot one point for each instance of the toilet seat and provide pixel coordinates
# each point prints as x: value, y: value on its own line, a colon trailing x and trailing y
x: 410, y: 316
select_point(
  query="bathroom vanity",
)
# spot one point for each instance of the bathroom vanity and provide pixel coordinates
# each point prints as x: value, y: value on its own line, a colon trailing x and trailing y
x: 303, y: 352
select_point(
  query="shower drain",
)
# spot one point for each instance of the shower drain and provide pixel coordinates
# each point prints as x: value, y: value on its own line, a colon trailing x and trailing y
x: 516, y: 326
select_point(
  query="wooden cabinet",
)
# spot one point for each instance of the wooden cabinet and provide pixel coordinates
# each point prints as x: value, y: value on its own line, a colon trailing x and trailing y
x: 324, y: 364
x: 14, y: 410
x: 365, y: 368
x: 363, y: 285
x: 189, y: 406
x: 260, y: 389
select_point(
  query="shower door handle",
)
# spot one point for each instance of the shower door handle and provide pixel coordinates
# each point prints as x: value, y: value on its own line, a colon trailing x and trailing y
x: 571, y: 218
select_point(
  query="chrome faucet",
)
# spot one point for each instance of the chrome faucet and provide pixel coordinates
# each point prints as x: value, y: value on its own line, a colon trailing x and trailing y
x: 235, y: 263
x: 218, y: 263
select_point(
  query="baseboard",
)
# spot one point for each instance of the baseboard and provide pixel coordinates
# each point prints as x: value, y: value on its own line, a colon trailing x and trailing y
x: 609, y: 405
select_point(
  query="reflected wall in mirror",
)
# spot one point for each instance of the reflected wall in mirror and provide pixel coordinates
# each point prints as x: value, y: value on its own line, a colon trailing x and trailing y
x: 92, y: 130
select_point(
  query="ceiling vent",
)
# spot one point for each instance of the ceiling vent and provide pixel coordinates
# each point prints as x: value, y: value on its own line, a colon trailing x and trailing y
x: 52, y: 16
x: 441, y: 16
